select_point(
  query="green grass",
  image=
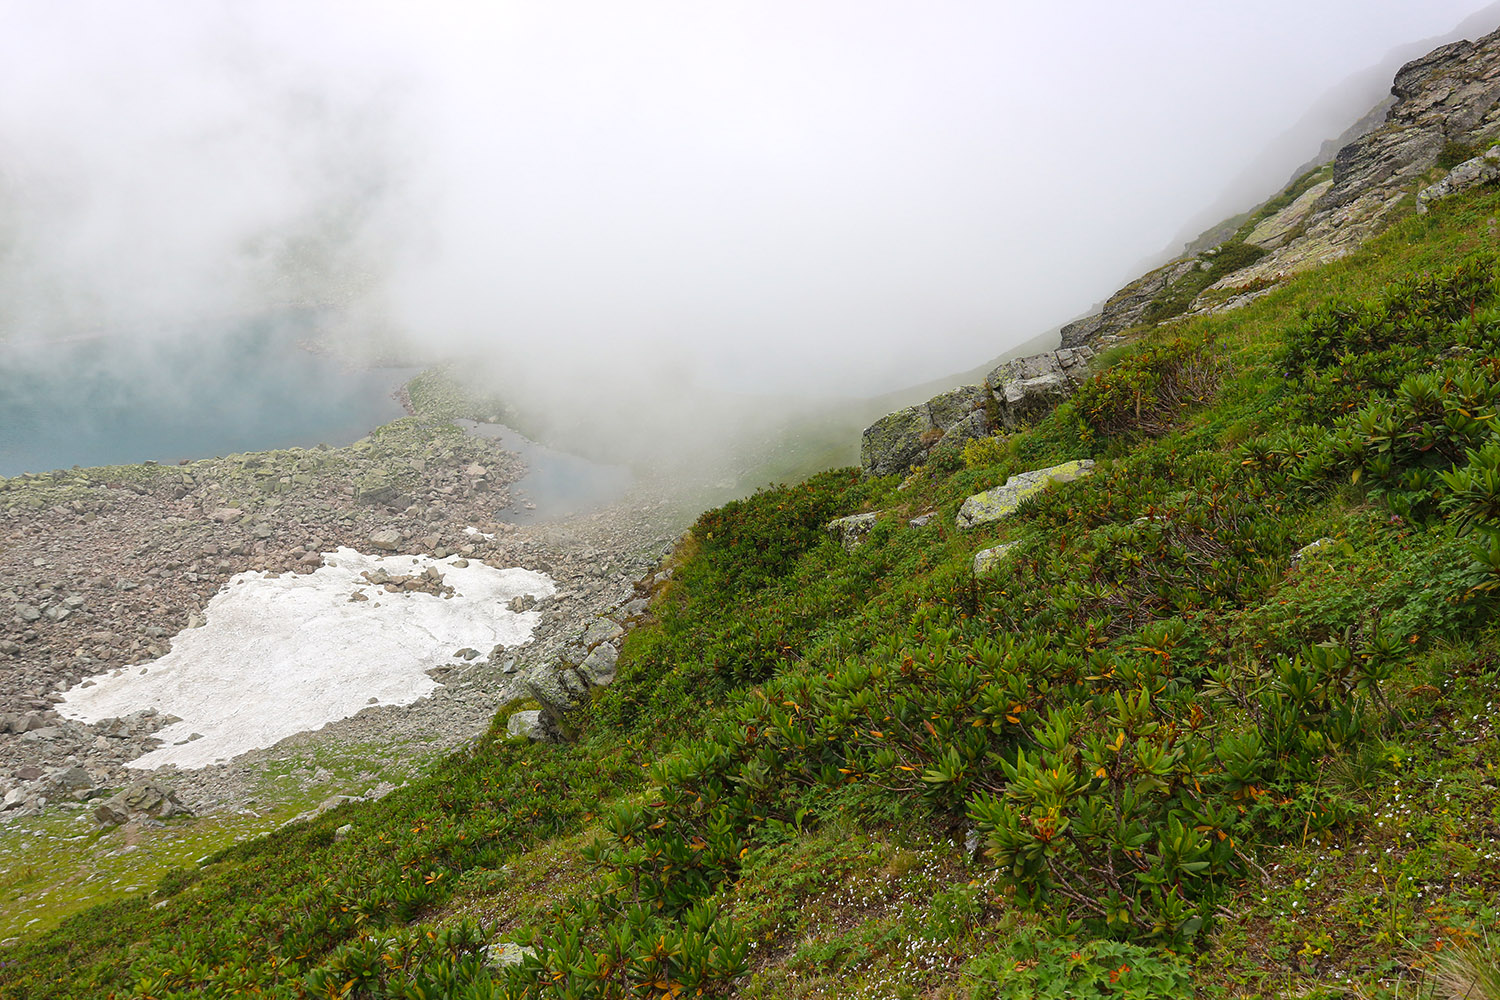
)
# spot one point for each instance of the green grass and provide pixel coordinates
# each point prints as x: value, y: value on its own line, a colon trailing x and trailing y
x: 1190, y: 767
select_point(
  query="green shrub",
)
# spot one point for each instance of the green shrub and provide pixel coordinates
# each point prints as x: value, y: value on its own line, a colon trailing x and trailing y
x: 1147, y: 391
x: 1035, y: 967
x: 1455, y: 152
x: 1215, y: 265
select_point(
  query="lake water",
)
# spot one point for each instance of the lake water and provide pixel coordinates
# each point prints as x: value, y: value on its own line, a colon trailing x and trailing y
x: 244, y: 386
x: 556, y: 483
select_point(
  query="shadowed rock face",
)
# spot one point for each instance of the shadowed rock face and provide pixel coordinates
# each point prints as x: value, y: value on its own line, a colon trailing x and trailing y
x: 1450, y: 95
x: 1015, y: 393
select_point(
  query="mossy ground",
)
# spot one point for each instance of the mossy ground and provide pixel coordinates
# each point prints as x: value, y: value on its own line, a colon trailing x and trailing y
x: 53, y: 865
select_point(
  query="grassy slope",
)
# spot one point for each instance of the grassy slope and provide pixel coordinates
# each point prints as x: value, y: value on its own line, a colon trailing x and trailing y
x: 773, y: 796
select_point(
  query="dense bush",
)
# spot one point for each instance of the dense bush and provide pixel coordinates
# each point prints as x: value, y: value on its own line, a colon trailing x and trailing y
x: 1147, y: 391
x: 753, y: 542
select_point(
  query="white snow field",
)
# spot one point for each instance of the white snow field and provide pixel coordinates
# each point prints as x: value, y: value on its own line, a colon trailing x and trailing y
x: 288, y: 654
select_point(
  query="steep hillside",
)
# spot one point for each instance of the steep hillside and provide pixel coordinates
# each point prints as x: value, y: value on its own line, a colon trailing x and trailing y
x: 1215, y: 720
x: 1181, y: 684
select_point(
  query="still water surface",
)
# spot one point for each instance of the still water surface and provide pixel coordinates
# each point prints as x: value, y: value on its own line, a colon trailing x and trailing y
x: 556, y: 483
x: 120, y: 400
x: 116, y: 400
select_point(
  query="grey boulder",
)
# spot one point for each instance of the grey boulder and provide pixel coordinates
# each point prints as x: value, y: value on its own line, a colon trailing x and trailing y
x: 852, y: 530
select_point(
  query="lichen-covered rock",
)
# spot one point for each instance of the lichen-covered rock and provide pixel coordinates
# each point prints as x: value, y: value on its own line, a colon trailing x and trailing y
x: 1483, y: 169
x: 896, y: 441
x: 852, y: 530
x: 1016, y: 392
x: 598, y: 668
x: 1002, y: 501
x: 986, y: 560
x: 507, y: 953
x: 557, y: 691
x: 956, y: 405
x: 976, y: 425
x: 1324, y: 544
x: 1273, y: 232
x: 1128, y: 306
x: 1450, y: 95
x: 526, y: 726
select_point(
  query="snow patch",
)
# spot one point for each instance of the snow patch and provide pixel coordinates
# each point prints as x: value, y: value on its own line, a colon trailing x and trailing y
x: 287, y: 654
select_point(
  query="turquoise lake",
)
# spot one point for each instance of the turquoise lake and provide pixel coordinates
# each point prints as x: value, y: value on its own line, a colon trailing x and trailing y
x: 243, y: 386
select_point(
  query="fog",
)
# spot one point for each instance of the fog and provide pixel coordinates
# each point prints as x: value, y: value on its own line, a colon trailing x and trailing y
x: 607, y: 204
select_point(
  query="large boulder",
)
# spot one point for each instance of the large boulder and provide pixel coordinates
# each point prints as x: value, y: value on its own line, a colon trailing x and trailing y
x: 598, y: 668
x: 1027, y: 389
x: 141, y: 799
x: 900, y: 440
x: 557, y: 691
x: 530, y: 725
x: 1003, y: 501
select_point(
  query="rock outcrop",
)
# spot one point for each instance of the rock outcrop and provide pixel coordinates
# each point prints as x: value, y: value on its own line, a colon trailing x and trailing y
x: 140, y: 800
x: 1447, y: 99
x: 900, y: 440
x: 561, y: 677
x: 1284, y: 225
x: 1014, y: 393
x: 1472, y: 173
x: 1128, y: 306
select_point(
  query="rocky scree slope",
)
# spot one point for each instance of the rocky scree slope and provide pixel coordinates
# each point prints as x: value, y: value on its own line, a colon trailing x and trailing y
x: 843, y: 770
x: 100, y: 568
x: 1170, y: 742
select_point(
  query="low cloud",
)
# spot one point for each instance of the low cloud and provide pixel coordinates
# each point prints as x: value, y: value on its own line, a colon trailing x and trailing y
x: 599, y: 202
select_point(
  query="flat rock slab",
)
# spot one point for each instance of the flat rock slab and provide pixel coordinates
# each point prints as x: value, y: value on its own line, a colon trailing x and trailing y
x: 1282, y: 226
x: 1002, y: 501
